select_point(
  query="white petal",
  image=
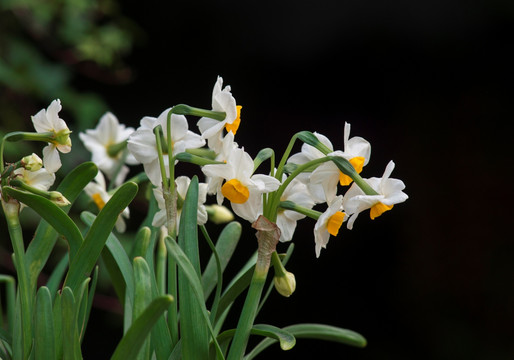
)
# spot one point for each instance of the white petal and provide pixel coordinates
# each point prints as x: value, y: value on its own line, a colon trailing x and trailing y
x: 51, y: 159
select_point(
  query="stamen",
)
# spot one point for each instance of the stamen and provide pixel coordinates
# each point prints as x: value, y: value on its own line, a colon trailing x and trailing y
x: 334, y: 223
x: 378, y: 209
x: 97, y: 198
x: 235, y: 191
x: 235, y: 124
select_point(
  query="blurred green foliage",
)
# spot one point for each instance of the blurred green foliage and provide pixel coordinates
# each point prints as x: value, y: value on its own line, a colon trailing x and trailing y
x: 49, y: 47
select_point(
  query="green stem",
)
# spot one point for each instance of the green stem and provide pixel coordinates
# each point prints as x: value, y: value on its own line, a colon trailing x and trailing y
x: 158, y: 136
x: 248, y: 313
x: 289, y: 205
x: 280, y: 168
x: 182, y: 109
x: 26, y: 295
x: 274, y: 200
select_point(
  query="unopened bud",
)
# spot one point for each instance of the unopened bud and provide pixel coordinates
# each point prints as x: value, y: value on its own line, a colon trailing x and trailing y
x: 32, y: 162
x: 219, y: 214
x: 58, y: 198
x: 285, y: 284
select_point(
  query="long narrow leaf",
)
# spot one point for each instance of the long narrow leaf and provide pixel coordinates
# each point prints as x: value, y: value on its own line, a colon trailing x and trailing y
x: 10, y: 296
x: 45, y: 237
x: 57, y: 275
x: 132, y: 341
x: 195, y: 337
x: 53, y: 214
x: 117, y: 253
x: 44, y: 339
x: 314, y: 331
x: 97, y: 235
x: 70, y: 341
x: 192, y: 277
x: 285, y: 338
x: 225, y: 246
x: 142, y: 297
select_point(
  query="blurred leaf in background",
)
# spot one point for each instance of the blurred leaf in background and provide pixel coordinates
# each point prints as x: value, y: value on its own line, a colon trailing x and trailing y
x: 49, y: 48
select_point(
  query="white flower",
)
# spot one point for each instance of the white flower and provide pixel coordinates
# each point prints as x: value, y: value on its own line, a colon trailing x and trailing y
x: 356, y: 150
x: 182, y: 183
x: 40, y: 179
x: 98, y: 193
x: 309, y: 153
x: 243, y: 189
x: 143, y: 146
x: 328, y: 224
x: 228, y: 146
x: 222, y: 101
x: 108, y: 132
x: 48, y: 121
x: 389, y: 193
x: 298, y: 193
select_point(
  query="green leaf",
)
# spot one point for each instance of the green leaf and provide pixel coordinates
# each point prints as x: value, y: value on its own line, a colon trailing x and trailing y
x: 191, y: 276
x: 195, y: 338
x: 142, y: 297
x: 141, y: 242
x: 44, y: 343
x: 225, y: 246
x: 53, y: 214
x: 118, y: 264
x: 54, y: 281
x: 45, y: 237
x: 132, y: 341
x: 314, y: 331
x: 286, y: 339
x: 97, y: 235
x: 70, y: 335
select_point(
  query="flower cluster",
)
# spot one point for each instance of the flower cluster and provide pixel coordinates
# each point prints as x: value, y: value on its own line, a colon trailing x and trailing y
x: 307, y: 179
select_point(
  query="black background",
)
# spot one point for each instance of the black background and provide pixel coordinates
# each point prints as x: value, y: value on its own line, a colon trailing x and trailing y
x: 429, y: 84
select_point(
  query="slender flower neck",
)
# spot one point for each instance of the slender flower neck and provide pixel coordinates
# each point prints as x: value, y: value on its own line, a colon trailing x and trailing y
x: 113, y: 150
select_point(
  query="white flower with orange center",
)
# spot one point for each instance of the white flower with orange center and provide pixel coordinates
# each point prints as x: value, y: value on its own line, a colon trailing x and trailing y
x: 356, y: 150
x: 96, y: 190
x: 389, y: 193
x: 222, y: 101
x: 243, y: 189
x: 143, y: 145
x: 105, y: 136
x: 328, y: 224
x: 182, y: 185
x: 48, y: 122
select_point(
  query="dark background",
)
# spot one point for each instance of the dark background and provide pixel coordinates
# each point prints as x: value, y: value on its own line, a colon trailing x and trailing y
x: 429, y: 84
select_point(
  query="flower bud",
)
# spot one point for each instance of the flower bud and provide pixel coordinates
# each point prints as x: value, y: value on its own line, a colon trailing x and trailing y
x: 219, y: 214
x: 32, y: 162
x: 58, y: 198
x: 285, y: 284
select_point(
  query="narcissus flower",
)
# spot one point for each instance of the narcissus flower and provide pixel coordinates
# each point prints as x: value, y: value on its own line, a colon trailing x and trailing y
x: 97, y: 192
x: 182, y: 185
x: 102, y: 142
x: 356, y: 150
x: 222, y: 101
x: 243, y: 189
x: 48, y: 121
x: 143, y: 146
x: 309, y: 153
x: 328, y: 224
x: 298, y: 193
x: 389, y: 193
